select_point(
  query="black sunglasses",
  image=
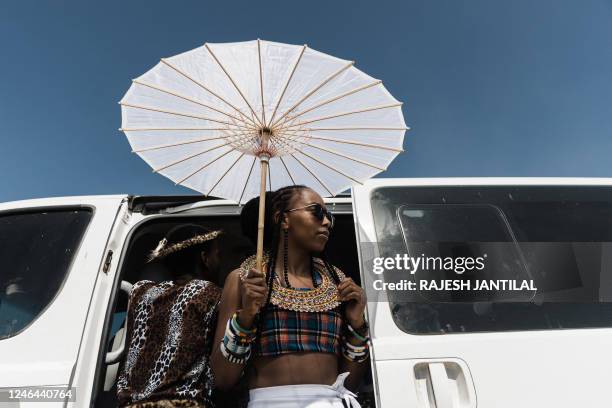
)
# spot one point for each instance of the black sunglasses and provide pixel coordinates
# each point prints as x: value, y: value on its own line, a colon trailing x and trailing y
x: 319, y: 211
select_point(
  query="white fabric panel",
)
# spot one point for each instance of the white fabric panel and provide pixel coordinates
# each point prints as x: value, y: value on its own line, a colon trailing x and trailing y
x: 313, y: 69
x: 365, y: 99
x: 241, y: 62
x: 199, y: 65
x: 390, y: 117
x: 148, y: 97
x: 151, y: 138
x: 278, y: 61
x: 345, y: 82
x: 388, y: 138
x: 302, y: 176
x: 279, y: 175
x: 140, y: 118
x: 230, y: 183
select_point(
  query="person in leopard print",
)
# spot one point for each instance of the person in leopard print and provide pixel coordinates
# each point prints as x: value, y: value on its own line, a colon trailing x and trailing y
x: 170, y: 325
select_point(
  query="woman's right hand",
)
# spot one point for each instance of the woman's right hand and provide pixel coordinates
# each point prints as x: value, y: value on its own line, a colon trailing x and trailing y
x: 253, y: 291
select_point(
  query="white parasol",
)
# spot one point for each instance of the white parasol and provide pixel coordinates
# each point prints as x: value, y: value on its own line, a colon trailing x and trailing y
x: 203, y: 119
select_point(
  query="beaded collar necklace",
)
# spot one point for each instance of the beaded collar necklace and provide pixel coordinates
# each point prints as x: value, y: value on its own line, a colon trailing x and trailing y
x: 321, y: 298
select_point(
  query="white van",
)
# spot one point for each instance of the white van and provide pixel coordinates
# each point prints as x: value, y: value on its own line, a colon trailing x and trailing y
x: 67, y: 263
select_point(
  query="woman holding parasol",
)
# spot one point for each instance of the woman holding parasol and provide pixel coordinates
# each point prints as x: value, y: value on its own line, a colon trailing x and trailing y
x: 204, y: 117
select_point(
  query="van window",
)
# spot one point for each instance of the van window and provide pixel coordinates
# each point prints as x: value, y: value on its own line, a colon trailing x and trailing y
x: 36, y: 250
x: 560, y: 237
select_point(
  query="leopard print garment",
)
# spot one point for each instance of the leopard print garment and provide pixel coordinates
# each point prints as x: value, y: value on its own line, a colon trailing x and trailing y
x: 170, y: 329
x: 173, y: 403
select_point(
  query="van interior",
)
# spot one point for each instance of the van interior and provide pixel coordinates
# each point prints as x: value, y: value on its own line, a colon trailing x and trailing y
x: 341, y: 250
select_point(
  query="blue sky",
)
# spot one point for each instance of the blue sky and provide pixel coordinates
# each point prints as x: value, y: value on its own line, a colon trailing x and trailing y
x: 490, y: 87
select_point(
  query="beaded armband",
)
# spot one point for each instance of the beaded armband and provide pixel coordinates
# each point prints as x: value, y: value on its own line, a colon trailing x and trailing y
x: 355, y: 332
x: 355, y: 353
x: 236, y: 344
x: 352, y: 352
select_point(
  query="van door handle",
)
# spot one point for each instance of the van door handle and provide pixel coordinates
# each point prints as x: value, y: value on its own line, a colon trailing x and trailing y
x: 443, y: 383
x: 441, y: 386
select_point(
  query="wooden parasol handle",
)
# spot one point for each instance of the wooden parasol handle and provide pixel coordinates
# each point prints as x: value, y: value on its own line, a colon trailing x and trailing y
x: 264, y: 157
x: 262, y: 213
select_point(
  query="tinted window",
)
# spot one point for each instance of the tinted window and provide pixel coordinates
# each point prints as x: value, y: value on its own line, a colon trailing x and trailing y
x: 558, y: 236
x: 36, y: 250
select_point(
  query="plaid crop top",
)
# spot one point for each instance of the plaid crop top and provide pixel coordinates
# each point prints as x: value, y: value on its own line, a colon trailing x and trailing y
x: 288, y: 331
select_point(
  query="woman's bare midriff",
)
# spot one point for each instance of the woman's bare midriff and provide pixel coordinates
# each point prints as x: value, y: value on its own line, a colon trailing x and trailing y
x: 293, y: 368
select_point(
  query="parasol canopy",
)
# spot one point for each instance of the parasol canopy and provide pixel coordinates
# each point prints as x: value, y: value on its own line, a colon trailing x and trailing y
x: 200, y: 119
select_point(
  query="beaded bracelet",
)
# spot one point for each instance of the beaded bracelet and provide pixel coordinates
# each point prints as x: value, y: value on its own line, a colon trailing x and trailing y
x: 235, y: 348
x: 357, y: 335
x: 355, y: 353
x: 244, y: 334
x: 234, y: 358
x: 355, y: 356
x: 353, y: 347
x: 239, y: 329
x: 236, y: 344
x: 237, y: 336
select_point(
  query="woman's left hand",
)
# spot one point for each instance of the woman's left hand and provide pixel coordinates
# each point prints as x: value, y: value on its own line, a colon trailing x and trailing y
x: 349, y: 291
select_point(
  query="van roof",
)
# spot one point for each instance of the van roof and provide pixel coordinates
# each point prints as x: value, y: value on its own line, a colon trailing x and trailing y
x: 63, y: 200
x: 153, y: 202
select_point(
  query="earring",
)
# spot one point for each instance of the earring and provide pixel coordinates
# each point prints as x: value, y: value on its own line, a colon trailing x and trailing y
x: 312, y: 272
x: 286, y: 257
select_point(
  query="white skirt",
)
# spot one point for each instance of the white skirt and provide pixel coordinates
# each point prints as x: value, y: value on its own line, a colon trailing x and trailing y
x: 304, y: 396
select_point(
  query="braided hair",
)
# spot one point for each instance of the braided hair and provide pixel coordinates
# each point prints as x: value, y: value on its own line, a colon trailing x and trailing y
x: 279, y: 203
